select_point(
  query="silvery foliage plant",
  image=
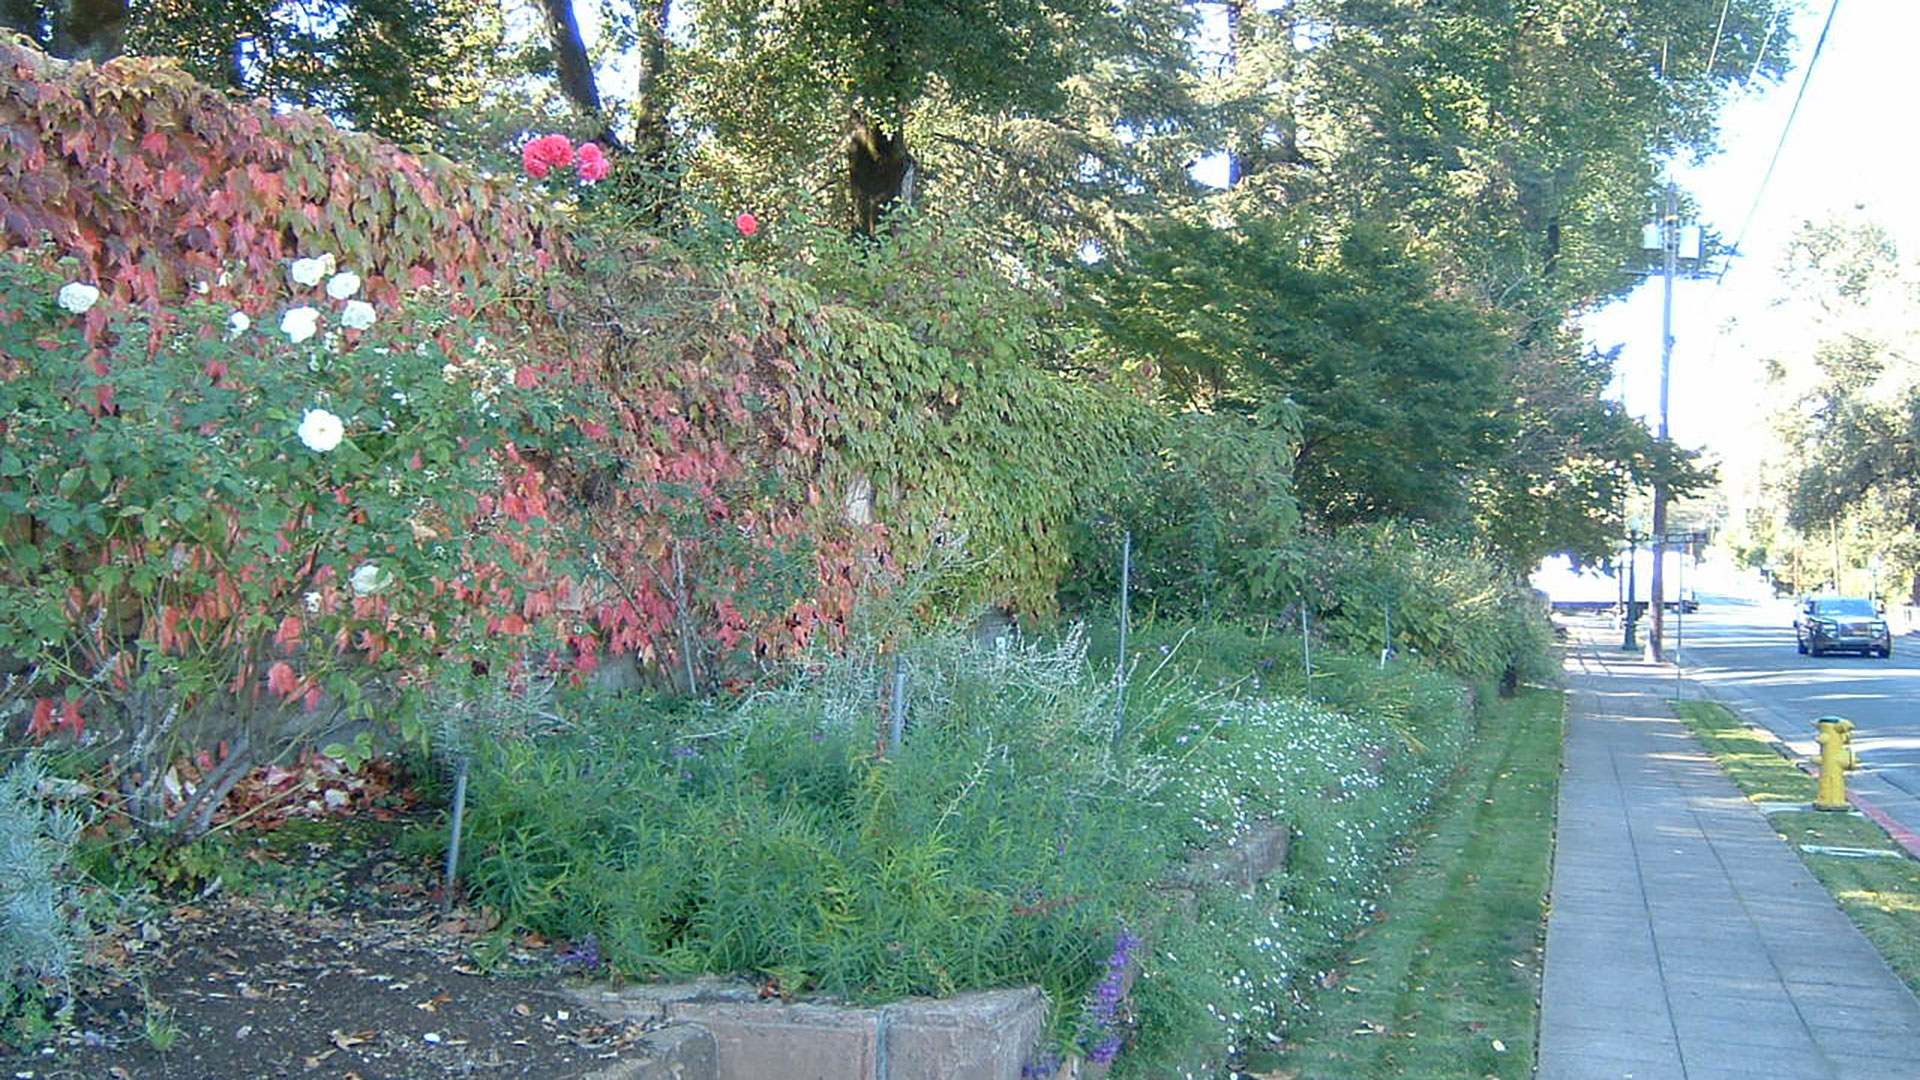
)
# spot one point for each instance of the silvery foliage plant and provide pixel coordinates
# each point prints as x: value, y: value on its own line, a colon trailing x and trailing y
x: 37, y: 929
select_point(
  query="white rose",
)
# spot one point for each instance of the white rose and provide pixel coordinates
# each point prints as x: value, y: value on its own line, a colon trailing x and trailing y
x: 77, y: 297
x: 321, y: 430
x: 369, y: 579
x: 307, y: 272
x: 238, y: 323
x: 312, y: 601
x: 342, y: 285
x: 299, y: 323
x: 357, y: 315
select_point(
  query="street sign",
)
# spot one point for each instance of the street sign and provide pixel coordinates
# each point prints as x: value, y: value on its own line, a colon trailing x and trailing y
x: 1677, y: 539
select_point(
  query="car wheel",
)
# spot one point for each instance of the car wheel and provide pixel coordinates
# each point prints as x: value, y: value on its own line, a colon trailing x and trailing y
x: 1815, y: 650
x: 1886, y: 651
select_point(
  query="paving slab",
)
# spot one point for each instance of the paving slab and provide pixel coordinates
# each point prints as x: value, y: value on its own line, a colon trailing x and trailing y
x: 1685, y: 940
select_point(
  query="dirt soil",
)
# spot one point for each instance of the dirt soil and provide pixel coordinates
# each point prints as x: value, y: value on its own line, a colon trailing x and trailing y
x: 334, y: 963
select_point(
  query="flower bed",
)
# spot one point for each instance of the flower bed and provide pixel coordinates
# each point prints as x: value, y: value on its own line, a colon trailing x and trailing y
x: 1011, y: 841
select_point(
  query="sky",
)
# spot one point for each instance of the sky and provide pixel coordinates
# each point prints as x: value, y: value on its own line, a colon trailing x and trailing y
x: 1847, y: 148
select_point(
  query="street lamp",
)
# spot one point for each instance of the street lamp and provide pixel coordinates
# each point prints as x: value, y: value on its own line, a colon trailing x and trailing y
x: 1634, y: 536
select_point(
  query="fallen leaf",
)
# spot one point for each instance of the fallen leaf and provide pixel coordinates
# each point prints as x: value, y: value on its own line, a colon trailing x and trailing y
x: 1499, y: 1047
x: 347, y: 1042
x: 433, y: 1003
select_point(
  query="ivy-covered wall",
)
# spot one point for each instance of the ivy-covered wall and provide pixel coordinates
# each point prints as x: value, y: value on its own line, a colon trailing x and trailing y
x: 730, y: 423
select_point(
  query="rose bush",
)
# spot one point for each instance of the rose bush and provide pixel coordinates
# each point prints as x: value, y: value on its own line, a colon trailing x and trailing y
x: 239, y: 542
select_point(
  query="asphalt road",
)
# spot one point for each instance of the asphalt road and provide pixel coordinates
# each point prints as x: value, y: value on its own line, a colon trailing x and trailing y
x: 1740, y: 651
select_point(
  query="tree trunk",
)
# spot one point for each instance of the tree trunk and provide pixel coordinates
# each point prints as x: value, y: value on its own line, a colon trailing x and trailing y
x: 652, y: 137
x: 879, y: 172
x: 574, y: 68
x: 90, y: 30
x: 1237, y: 148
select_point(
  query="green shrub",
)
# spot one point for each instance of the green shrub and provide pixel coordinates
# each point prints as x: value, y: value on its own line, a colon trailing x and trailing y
x: 215, y: 529
x: 1443, y: 599
x: 1209, y: 505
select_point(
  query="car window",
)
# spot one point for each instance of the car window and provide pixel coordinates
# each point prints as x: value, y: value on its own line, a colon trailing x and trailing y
x: 1848, y: 606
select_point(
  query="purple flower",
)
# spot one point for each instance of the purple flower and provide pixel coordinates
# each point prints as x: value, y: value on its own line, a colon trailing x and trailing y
x: 1041, y: 1067
x: 1104, y: 1010
x: 584, y: 954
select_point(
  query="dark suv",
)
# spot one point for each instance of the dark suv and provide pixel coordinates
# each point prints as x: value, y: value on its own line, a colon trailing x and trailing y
x: 1842, y: 624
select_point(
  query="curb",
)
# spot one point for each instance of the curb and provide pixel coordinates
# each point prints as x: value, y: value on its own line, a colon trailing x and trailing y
x: 1907, y: 840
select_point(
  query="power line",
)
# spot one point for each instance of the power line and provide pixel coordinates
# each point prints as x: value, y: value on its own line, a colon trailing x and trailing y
x: 1785, y: 129
x: 1718, y: 31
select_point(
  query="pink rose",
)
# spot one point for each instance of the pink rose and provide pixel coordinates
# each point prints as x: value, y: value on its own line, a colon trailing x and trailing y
x: 747, y: 224
x: 546, y: 153
x: 592, y: 163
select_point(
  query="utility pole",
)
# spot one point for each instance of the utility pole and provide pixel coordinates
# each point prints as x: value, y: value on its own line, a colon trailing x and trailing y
x: 1669, y: 237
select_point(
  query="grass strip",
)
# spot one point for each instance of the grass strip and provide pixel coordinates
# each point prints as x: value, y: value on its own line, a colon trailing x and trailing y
x: 1446, y: 984
x: 1880, y: 895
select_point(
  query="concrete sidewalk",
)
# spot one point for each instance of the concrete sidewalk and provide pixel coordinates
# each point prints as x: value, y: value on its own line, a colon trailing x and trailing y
x: 1686, y: 941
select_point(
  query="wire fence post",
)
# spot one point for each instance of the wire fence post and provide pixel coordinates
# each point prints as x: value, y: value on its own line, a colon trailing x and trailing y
x: 1386, y: 644
x: 1306, y: 639
x: 684, y: 620
x: 453, y: 840
x: 897, y: 714
x: 1120, y: 664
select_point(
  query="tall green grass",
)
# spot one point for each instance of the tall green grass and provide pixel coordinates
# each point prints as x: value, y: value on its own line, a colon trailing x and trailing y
x: 1009, y: 841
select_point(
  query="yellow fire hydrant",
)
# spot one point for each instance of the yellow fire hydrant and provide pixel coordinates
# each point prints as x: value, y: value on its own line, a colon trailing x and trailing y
x: 1836, y: 757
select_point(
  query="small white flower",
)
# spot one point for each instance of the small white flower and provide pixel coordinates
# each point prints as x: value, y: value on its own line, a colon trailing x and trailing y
x: 357, y: 315
x: 307, y: 272
x: 321, y: 431
x: 369, y: 579
x: 201, y: 287
x: 238, y: 323
x: 224, y: 279
x: 312, y: 601
x: 299, y: 323
x: 77, y: 297
x: 343, y: 284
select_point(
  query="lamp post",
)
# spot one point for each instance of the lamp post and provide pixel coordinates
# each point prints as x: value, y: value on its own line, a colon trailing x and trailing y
x: 1627, y: 642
